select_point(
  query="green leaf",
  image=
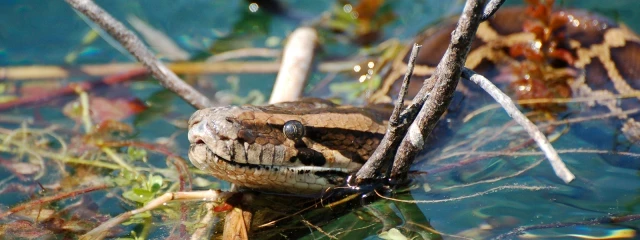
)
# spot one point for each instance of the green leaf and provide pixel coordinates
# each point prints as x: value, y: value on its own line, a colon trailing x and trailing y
x: 138, y: 218
x: 137, y: 153
x: 139, y: 195
x: 155, y: 183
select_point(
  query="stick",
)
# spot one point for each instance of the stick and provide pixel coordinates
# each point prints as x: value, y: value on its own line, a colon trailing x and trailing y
x: 35, y: 72
x: 558, y: 166
x: 491, y: 8
x: 132, y: 43
x: 101, y: 231
x: 439, y: 89
x: 394, y: 134
x: 296, y: 64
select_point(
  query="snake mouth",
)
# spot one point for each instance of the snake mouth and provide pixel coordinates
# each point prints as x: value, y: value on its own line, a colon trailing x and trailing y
x: 279, y: 178
x: 203, y: 155
x: 222, y: 157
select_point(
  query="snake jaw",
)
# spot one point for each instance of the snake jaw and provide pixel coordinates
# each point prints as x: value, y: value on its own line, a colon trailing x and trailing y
x: 246, y: 146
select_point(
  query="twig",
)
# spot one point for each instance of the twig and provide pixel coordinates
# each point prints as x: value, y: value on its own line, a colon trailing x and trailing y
x: 438, y: 89
x: 477, y: 194
x: 206, y: 224
x: 596, y: 221
x: 296, y: 64
x: 133, y: 44
x: 394, y: 134
x: 237, y: 224
x: 491, y: 8
x: 393, y: 121
x: 45, y: 200
x: 558, y: 166
x: 21, y: 73
x: 243, y: 53
x: 102, y: 230
x: 319, y: 229
x: 492, y: 180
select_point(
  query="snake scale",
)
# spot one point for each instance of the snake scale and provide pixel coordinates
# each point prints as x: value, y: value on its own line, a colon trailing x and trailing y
x: 305, y: 147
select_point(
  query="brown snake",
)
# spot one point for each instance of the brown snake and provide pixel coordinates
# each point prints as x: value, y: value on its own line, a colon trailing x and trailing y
x: 305, y: 147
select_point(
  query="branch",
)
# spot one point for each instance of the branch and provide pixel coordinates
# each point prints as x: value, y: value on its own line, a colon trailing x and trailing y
x: 491, y: 8
x: 132, y: 43
x: 394, y: 134
x: 439, y: 89
x: 508, y: 105
x: 296, y: 64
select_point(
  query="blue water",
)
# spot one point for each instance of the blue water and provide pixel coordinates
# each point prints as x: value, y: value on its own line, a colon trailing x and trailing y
x: 42, y: 32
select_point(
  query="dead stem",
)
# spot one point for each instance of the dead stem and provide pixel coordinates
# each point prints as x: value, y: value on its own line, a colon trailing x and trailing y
x: 559, y: 167
x: 44, y: 200
x: 395, y: 131
x: 317, y: 228
x: 492, y: 190
x: 117, y: 159
x: 206, y: 223
x: 243, y: 53
x: 86, y: 117
x: 48, y: 72
x: 535, y: 164
x: 102, y: 231
x: 296, y: 65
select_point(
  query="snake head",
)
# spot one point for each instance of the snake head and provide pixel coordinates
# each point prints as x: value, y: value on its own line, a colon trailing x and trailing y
x: 278, y: 149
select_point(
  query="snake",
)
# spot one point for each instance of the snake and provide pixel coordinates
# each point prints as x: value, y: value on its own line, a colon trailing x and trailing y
x: 308, y: 146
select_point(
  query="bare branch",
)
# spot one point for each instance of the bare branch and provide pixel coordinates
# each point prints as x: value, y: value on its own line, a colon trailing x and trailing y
x: 393, y: 121
x: 133, y: 44
x: 392, y: 138
x: 102, y: 231
x: 558, y: 166
x: 439, y: 89
x: 46, y: 72
x: 491, y: 8
x: 296, y: 64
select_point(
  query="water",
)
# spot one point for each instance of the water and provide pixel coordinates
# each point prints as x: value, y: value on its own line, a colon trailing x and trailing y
x: 39, y: 32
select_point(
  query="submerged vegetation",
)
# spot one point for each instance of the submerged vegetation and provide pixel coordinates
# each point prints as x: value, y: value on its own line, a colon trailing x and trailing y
x: 106, y: 139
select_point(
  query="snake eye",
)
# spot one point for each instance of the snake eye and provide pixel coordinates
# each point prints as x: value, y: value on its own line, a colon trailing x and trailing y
x: 293, y: 130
